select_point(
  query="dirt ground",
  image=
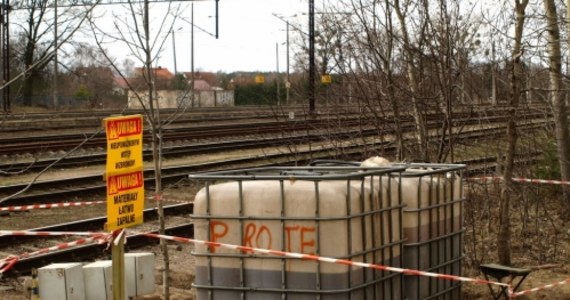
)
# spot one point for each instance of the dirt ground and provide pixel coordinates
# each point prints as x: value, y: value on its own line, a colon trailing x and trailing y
x: 182, y: 276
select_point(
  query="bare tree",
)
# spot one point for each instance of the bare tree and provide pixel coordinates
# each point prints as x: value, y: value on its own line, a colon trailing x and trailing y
x: 556, y: 97
x: 377, y: 65
x: 145, y: 45
x: 504, y: 235
x: 448, y: 41
x: 411, y: 69
x: 566, y: 171
x: 36, y: 41
x: 38, y: 63
x: 410, y: 54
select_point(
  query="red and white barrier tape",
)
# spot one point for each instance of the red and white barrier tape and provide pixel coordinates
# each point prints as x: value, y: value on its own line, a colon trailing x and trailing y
x: 168, y: 200
x: 50, y: 233
x: 8, y: 262
x: 517, y: 179
x: 327, y: 259
x: 548, y: 286
x: 70, y: 204
x: 46, y: 206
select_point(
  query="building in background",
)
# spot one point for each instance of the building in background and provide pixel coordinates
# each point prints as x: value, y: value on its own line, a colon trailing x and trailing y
x: 172, y: 94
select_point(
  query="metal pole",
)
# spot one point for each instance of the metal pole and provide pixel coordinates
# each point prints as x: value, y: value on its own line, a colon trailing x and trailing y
x: 277, y: 78
x: 312, y: 58
x: 217, y: 18
x: 7, y: 54
x: 341, y: 61
x: 288, y: 83
x: 55, y: 104
x: 493, y: 76
x: 3, y: 15
x: 174, y: 50
x: 192, y: 54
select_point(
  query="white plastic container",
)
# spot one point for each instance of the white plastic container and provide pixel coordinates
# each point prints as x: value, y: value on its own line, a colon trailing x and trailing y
x: 98, y: 278
x: 139, y: 273
x: 331, y: 212
x: 61, y: 281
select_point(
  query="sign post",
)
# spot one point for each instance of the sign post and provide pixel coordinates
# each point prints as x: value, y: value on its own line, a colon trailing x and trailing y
x: 118, y: 261
x: 125, y: 187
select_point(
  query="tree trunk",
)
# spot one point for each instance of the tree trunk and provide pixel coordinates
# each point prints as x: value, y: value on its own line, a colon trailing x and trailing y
x: 156, y: 151
x: 504, y: 235
x: 558, y: 103
x: 31, y: 77
x: 412, y: 77
x: 27, y: 89
x: 564, y: 133
x: 391, y: 91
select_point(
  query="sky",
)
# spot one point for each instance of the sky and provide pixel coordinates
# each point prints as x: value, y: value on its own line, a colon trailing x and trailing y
x: 248, y: 34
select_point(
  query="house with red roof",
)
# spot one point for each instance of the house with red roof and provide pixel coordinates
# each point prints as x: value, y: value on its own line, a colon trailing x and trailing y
x: 163, y: 76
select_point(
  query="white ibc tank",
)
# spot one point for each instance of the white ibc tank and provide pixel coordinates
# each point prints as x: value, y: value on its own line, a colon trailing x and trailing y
x: 433, y: 228
x: 342, y: 217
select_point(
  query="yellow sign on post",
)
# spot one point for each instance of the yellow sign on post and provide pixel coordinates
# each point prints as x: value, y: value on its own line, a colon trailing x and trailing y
x: 124, y: 172
x: 125, y: 200
x: 124, y: 143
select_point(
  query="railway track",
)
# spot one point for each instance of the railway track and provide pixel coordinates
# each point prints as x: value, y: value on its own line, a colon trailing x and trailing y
x: 57, y: 189
x: 83, y: 120
x: 231, y: 128
x: 294, y: 134
x: 47, y: 191
x: 183, y: 150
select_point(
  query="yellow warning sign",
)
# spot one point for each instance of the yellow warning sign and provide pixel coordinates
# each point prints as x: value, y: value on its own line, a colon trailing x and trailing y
x: 259, y: 79
x: 124, y: 143
x: 125, y: 200
x: 124, y: 171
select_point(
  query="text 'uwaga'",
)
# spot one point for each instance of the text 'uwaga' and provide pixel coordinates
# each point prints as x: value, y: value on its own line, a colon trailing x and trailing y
x: 125, y: 182
x: 124, y: 127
